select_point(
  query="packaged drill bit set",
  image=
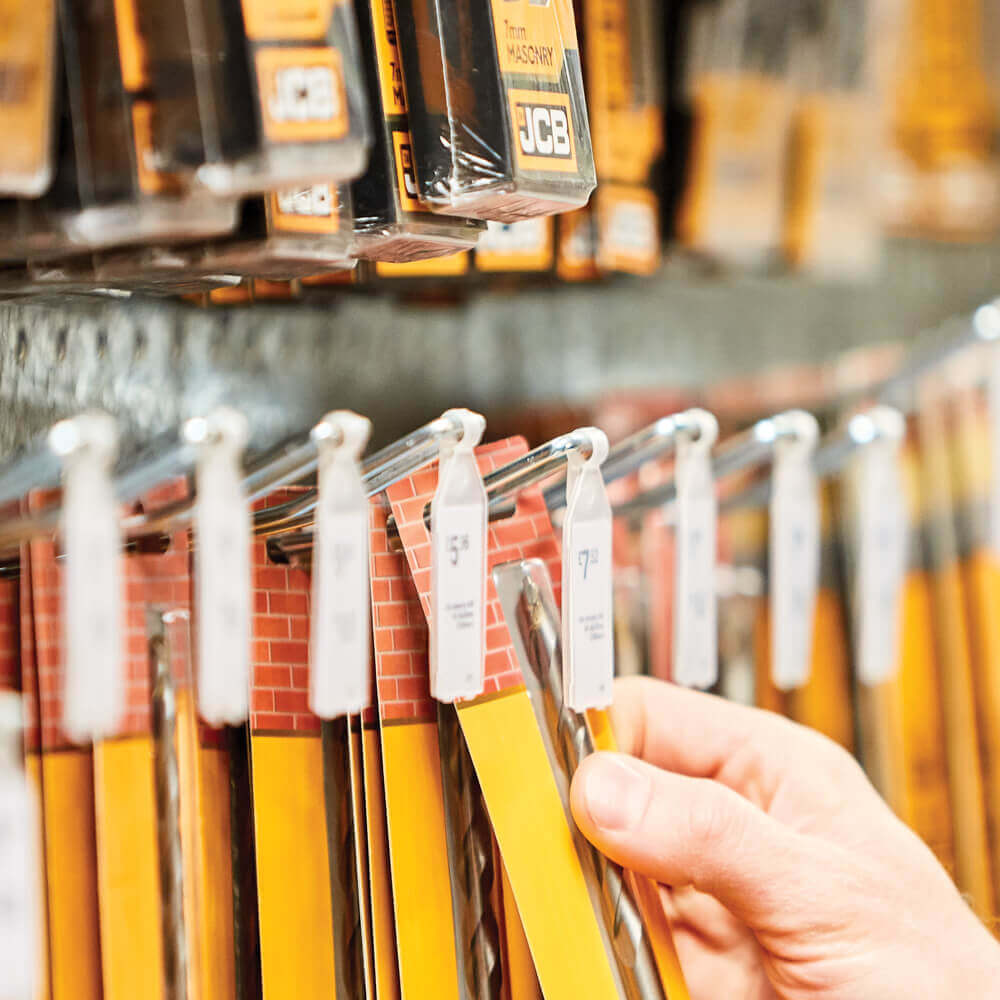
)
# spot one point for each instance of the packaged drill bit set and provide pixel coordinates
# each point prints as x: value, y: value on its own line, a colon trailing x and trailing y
x: 288, y: 233
x: 741, y: 100
x: 498, y: 116
x: 105, y: 192
x: 623, y: 71
x: 392, y: 222
x: 832, y: 226
x: 28, y: 69
x: 255, y: 95
x: 269, y: 100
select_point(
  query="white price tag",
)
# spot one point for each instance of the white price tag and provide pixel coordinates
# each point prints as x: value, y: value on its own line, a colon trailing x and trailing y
x: 587, y: 598
x: 794, y: 545
x: 882, y: 543
x: 19, y: 888
x: 458, y: 568
x: 340, y: 675
x: 695, y: 646
x: 93, y: 636
x: 222, y: 530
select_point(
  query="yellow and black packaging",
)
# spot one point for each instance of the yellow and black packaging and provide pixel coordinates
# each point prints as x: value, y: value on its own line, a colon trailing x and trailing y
x: 737, y: 78
x: 391, y: 222
x: 497, y: 110
x: 576, y: 246
x: 27, y: 85
x: 100, y: 195
x: 288, y: 234
x: 255, y: 95
x: 523, y: 247
x: 625, y: 102
x: 832, y: 227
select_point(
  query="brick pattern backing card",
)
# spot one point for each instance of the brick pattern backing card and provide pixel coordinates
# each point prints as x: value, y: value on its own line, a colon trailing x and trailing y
x: 414, y: 799
x: 383, y: 929
x: 297, y: 953
x: 114, y: 785
x: 17, y: 674
x: 32, y: 742
x: 507, y: 749
x: 68, y: 794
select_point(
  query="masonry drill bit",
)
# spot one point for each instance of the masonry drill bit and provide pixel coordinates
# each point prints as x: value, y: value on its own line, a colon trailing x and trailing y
x: 168, y: 805
x: 538, y: 625
x: 470, y: 856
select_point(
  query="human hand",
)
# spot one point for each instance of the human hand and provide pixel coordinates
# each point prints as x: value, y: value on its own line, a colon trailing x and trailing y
x: 790, y: 876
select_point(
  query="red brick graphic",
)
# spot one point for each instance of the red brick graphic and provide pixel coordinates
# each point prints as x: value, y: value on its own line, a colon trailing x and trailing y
x: 279, y: 690
x: 399, y: 631
x: 29, y: 672
x: 10, y: 654
x: 527, y: 534
x: 149, y: 579
x: 658, y: 569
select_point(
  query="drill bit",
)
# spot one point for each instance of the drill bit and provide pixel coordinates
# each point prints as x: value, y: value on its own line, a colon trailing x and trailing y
x: 537, y: 626
x: 168, y: 806
x: 348, y: 943
x: 470, y: 861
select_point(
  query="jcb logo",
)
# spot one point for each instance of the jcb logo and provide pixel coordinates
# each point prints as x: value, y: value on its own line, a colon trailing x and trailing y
x: 406, y: 175
x: 302, y: 94
x: 317, y: 201
x: 543, y: 130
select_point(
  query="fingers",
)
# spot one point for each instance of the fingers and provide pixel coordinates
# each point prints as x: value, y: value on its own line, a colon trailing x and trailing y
x: 703, y: 736
x: 690, y: 831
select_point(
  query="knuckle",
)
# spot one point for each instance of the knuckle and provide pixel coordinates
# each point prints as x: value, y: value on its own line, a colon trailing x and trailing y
x: 715, y: 817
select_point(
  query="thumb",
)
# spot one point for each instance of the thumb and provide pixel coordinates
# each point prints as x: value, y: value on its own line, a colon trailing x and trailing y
x: 694, y: 831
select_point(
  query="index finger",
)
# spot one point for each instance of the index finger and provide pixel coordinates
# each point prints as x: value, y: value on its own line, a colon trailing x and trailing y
x: 703, y: 736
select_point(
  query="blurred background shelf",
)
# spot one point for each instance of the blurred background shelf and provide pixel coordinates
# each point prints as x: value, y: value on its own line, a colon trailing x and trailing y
x: 152, y: 362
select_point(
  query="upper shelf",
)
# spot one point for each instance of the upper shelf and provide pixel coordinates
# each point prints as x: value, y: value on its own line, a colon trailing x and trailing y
x: 153, y: 363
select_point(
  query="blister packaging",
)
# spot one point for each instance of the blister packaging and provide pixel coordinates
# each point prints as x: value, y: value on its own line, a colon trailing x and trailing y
x: 255, y: 95
x: 832, y: 223
x: 28, y: 71
x: 391, y: 221
x: 741, y: 98
x: 104, y: 192
x: 288, y: 234
x: 497, y: 108
x: 625, y: 97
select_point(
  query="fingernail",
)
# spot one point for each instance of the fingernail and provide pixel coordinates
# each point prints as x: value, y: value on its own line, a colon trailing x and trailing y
x: 616, y: 794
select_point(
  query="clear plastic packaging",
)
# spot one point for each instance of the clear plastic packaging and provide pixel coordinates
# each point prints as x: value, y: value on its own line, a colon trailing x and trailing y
x: 255, y: 95
x: 741, y: 98
x: 103, y: 192
x: 832, y: 226
x: 623, y: 70
x: 28, y: 72
x: 288, y: 234
x: 497, y: 109
x: 391, y: 223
